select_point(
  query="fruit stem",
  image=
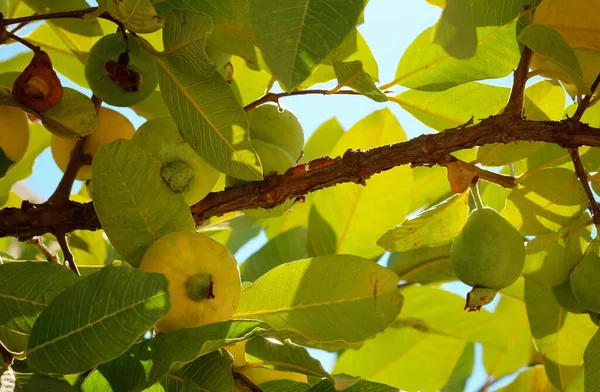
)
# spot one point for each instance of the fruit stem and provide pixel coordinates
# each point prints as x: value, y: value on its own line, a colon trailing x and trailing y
x: 475, y: 194
x: 200, y: 287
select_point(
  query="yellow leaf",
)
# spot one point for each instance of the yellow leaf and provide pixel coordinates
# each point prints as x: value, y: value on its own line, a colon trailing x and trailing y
x: 575, y: 20
x: 588, y: 59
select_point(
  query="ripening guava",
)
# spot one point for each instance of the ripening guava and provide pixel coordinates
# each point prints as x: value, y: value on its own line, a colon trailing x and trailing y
x: 120, y: 79
x: 15, y: 136
x: 183, y: 169
x: 488, y: 255
x: 584, y: 278
x: 204, y: 279
x: 565, y: 297
x: 38, y: 86
x: 112, y: 125
x: 273, y: 159
x: 281, y: 129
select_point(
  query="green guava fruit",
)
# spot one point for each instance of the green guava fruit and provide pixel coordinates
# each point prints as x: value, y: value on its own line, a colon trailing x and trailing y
x: 183, y: 169
x: 565, y: 297
x: 273, y: 159
x: 119, y: 78
x: 584, y: 278
x: 488, y: 255
x: 281, y: 129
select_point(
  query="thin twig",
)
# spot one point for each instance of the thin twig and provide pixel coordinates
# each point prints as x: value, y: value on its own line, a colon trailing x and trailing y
x: 274, y: 97
x: 517, y: 94
x: 38, y: 242
x: 76, y: 161
x: 78, y: 14
x: 22, y: 41
x: 69, y: 259
x: 583, y: 177
x: 585, y: 102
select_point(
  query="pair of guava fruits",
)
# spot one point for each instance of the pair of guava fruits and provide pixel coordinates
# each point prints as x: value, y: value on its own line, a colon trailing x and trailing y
x: 15, y: 137
x: 580, y: 292
x: 278, y: 139
x: 488, y: 255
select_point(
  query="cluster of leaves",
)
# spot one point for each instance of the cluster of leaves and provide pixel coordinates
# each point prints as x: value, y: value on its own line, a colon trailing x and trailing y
x: 315, y: 283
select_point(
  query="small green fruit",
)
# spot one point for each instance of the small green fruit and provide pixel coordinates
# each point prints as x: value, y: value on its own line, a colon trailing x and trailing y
x: 584, y: 278
x: 281, y: 129
x: 488, y: 254
x: 116, y: 83
x: 183, y: 169
x: 565, y: 298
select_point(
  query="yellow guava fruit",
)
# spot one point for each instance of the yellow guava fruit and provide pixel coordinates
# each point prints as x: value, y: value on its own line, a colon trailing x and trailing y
x: 204, y: 279
x: 15, y: 136
x: 112, y: 125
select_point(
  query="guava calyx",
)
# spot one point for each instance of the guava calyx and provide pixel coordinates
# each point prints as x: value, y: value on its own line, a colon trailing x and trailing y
x: 177, y: 174
x: 120, y: 73
x: 38, y: 86
x: 200, y: 287
x: 479, y: 297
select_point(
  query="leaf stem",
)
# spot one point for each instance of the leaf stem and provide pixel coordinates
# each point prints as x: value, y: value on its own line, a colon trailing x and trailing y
x: 22, y: 41
x: 475, y: 194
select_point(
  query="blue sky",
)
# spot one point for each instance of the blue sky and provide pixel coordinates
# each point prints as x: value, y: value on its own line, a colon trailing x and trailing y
x: 390, y: 26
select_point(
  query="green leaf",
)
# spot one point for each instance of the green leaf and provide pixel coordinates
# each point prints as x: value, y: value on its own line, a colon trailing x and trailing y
x: 394, y: 357
x: 514, y: 334
x: 88, y: 247
x: 455, y: 106
x: 84, y: 27
x: 138, y: 16
x: 323, y: 140
x: 561, y: 376
x: 435, y: 225
x: 355, y: 216
x: 462, y: 371
x: 428, y: 67
x: 423, y: 265
x: 250, y: 83
x: 296, y: 36
x: 545, y: 201
x: 108, y: 312
x: 436, y: 310
x: 39, y: 140
x: 528, y: 380
x: 232, y: 230
x: 559, y: 335
x: 74, y: 117
x: 148, y: 361
x: 285, y: 247
x: 32, y: 382
x: 455, y: 31
x: 547, y: 42
x: 282, y: 356
x: 353, y: 75
x: 305, y: 296
x: 591, y: 364
x: 135, y: 210
x: 26, y: 288
x: 184, y: 39
x: 550, y: 257
x: 210, y: 119
x: 360, y: 386
x: 210, y: 372
x: 284, y: 385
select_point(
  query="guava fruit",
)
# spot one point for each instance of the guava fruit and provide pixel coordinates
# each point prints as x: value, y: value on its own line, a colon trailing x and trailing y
x: 488, y: 255
x: 584, y: 278
x: 183, y: 169
x: 565, y: 297
x: 112, y: 125
x: 15, y: 136
x: 38, y: 86
x: 279, y: 128
x: 119, y: 77
x: 204, y: 279
x: 273, y: 159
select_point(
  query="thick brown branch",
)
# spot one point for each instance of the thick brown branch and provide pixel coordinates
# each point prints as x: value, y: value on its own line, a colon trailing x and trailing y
x: 517, y: 93
x: 353, y: 166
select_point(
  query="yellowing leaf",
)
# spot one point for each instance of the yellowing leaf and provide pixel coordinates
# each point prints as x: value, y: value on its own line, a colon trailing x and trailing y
x: 138, y: 16
x: 575, y: 20
x: 436, y: 225
x: 589, y: 60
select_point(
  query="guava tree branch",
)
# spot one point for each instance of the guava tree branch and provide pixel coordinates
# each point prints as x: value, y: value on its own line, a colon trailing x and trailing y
x: 274, y: 97
x: 353, y: 166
